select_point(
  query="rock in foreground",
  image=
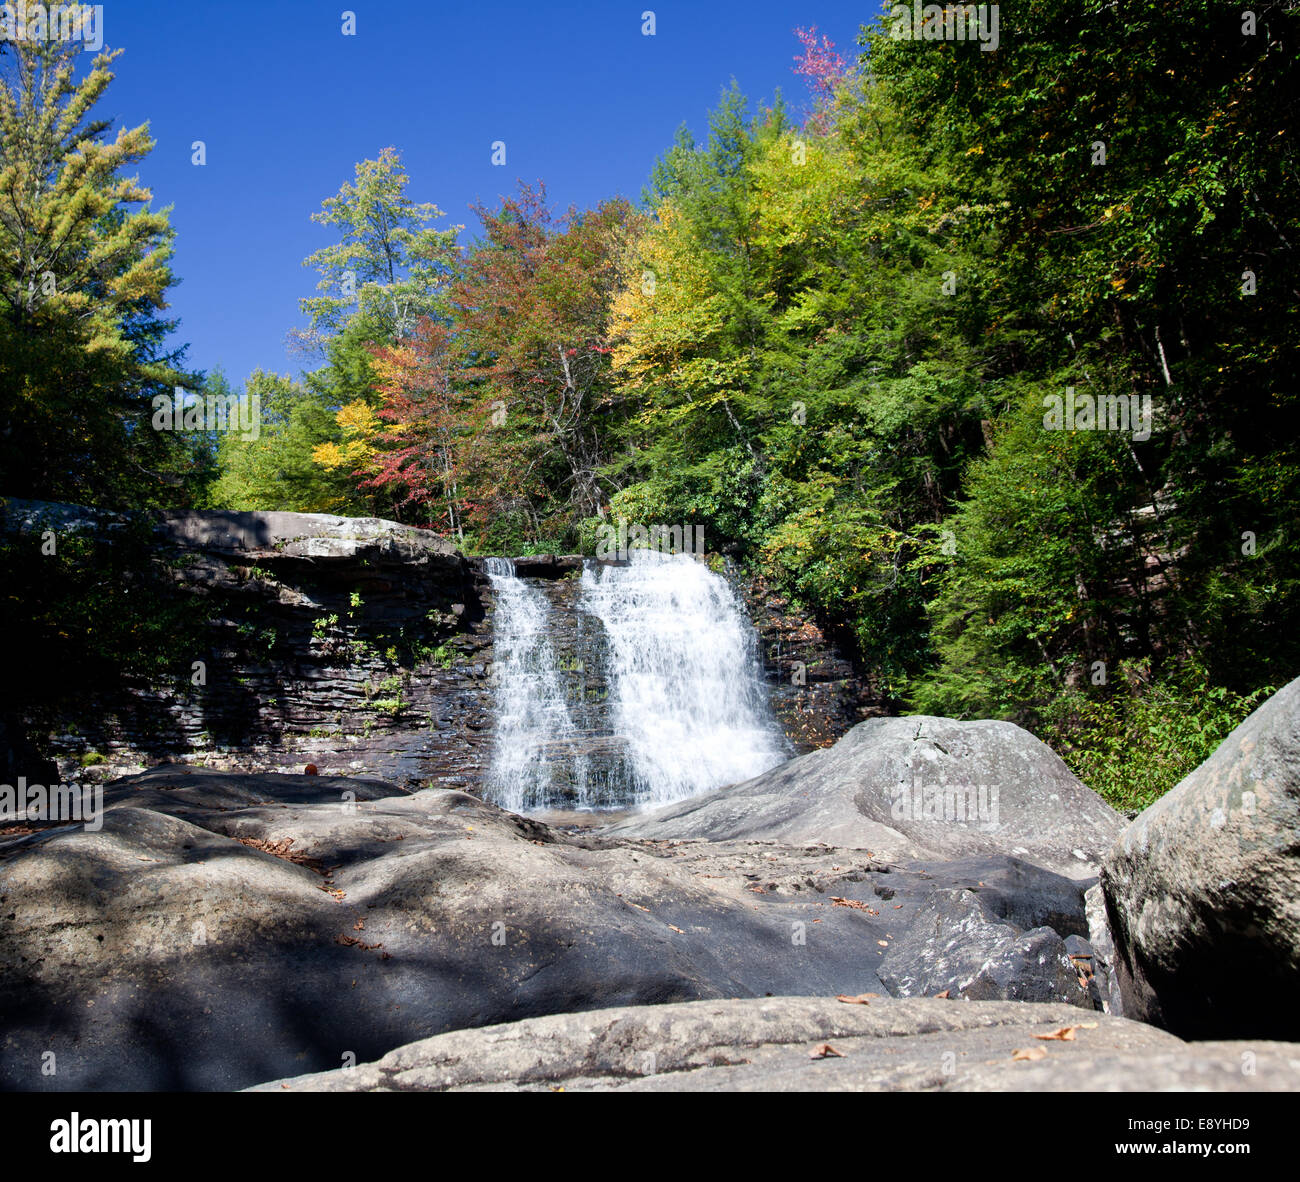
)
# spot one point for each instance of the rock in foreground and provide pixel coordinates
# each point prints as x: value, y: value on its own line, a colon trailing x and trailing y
x: 778, y: 1044
x: 1203, y: 889
x: 223, y: 929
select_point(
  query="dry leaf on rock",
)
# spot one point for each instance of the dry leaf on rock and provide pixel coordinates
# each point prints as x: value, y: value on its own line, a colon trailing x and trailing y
x: 1028, y: 1053
x: 825, y: 1051
x: 1065, y: 1034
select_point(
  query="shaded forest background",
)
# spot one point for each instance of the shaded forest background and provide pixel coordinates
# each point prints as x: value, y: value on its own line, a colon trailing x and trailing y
x: 830, y: 335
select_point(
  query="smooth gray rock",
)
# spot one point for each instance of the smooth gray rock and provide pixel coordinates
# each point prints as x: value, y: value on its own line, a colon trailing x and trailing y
x: 224, y: 929
x: 768, y: 1045
x: 917, y: 787
x: 1203, y: 889
x: 164, y: 952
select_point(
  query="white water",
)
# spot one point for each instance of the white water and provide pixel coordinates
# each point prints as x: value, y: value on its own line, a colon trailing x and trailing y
x: 686, y: 691
x: 534, y: 732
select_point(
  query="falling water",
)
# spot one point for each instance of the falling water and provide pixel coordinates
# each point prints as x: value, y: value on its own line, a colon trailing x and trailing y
x: 685, y: 689
x: 535, y: 755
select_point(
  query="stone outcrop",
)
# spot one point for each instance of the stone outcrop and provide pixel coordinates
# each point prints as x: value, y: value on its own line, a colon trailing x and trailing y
x: 355, y: 644
x: 222, y: 929
x: 917, y: 787
x: 1203, y: 889
x: 817, y: 693
x: 818, y: 1044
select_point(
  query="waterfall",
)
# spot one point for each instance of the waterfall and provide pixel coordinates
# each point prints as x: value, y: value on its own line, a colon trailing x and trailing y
x: 535, y: 760
x: 640, y: 684
x: 686, y: 693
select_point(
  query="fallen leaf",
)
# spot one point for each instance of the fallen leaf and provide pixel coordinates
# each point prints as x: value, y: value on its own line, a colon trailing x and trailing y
x: 677, y: 929
x: 825, y: 1051
x: 352, y: 942
x: 1065, y: 1034
x: 883, y: 943
x: 854, y: 904
x: 860, y: 1000
x: 1029, y: 1053
x: 945, y: 993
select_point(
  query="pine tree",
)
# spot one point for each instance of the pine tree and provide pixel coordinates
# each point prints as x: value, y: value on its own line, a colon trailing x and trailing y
x: 83, y: 278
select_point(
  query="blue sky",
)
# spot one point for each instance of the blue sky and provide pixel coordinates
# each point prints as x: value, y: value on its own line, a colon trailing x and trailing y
x: 287, y: 105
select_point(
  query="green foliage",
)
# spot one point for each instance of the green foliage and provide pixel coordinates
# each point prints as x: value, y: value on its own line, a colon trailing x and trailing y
x: 1136, y: 742
x: 277, y: 471
x: 1170, y: 553
x: 831, y: 345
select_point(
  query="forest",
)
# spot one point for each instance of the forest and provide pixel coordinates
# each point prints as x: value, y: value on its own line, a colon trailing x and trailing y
x: 988, y: 360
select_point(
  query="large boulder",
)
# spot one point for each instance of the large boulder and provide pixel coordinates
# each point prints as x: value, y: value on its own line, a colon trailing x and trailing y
x: 1203, y: 889
x: 779, y: 1044
x: 905, y: 788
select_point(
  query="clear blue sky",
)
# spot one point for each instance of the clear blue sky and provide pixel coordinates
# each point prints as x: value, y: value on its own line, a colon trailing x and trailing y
x: 287, y: 105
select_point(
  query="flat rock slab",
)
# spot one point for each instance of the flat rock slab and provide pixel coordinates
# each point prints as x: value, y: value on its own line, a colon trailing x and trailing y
x: 778, y: 1044
x: 300, y: 535
x: 905, y: 788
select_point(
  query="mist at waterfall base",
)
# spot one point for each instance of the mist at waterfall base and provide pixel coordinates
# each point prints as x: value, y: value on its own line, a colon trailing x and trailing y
x: 660, y: 697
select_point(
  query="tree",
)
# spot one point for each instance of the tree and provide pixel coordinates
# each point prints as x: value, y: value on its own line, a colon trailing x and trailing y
x: 530, y: 313
x: 824, y: 70
x: 83, y: 278
x: 389, y: 270
x: 390, y: 266
x: 278, y: 470
x: 420, y: 455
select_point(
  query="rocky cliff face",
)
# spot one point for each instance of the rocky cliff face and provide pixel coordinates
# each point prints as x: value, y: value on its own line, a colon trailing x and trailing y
x: 365, y: 648
x: 817, y: 693
x: 354, y: 644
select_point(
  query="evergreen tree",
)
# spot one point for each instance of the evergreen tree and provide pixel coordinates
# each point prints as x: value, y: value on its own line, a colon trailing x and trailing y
x: 83, y: 279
